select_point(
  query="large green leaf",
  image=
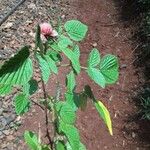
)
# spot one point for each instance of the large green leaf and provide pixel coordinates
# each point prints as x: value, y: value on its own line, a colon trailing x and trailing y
x: 5, y: 89
x: 18, y: 69
x: 38, y: 41
x: 70, y: 98
x: 71, y: 133
x: 94, y: 58
x: 51, y: 64
x: 71, y: 82
x: 104, y: 113
x: 76, y: 30
x: 64, y: 42
x: 73, y: 58
x: 97, y: 76
x: 21, y: 104
x: 109, y: 68
x: 31, y: 140
x: 44, y: 67
x: 102, y: 110
x: 65, y: 112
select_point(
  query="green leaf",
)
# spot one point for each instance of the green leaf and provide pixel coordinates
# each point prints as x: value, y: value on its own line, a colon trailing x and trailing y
x: 76, y: 50
x: 31, y: 87
x: 55, y: 46
x: 109, y: 68
x: 44, y: 67
x: 97, y: 76
x: 38, y: 41
x: 64, y: 42
x: 71, y: 133
x: 88, y: 91
x: 82, y: 101
x: 54, y: 55
x: 104, y: 113
x: 67, y: 114
x: 71, y: 82
x: 70, y: 98
x: 32, y: 140
x: 73, y: 58
x: 5, y: 89
x: 51, y: 64
x: 44, y: 147
x: 94, y: 58
x: 81, y: 146
x: 18, y: 69
x: 76, y: 30
x: 60, y: 146
x: 21, y: 104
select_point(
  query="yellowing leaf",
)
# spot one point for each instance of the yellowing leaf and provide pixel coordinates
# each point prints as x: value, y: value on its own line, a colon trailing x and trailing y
x: 104, y: 113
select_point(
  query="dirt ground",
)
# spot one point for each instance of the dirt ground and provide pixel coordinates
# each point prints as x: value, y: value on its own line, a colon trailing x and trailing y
x: 108, y: 33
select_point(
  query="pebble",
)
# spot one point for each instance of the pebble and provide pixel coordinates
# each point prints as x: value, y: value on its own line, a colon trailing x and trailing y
x: 133, y: 135
x: 8, y: 25
x: 1, y: 111
x: 123, y: 66
x: 94, y: 44
x: 2, y: 123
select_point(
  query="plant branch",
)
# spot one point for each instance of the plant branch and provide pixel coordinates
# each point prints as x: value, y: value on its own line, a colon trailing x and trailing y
x: 37, y: 104
x: 46, y: 114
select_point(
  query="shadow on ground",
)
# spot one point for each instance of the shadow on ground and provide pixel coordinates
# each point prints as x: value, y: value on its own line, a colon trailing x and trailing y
x: 133, y: 15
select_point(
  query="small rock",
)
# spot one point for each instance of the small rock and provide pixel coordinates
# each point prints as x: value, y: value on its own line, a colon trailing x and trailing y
x: 94, y: 44
x: 1, y: 103
x: 63, y: 16
x: 1, y: 111
x: 32, y: 6
x: 133, y: 135
x: 32, y: 34
x: 1, y: 133
x: 123, y: 66
x: 2, y: 123
x: 8, y: 25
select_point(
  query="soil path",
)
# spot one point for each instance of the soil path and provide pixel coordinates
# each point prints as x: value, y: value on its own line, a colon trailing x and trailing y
x: 108, y: 34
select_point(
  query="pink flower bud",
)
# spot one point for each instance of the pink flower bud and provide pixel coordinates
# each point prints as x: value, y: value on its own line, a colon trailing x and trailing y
x: 46, y: 29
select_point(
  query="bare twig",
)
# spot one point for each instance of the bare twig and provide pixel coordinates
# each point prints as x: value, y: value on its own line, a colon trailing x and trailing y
x: 37, y: 104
